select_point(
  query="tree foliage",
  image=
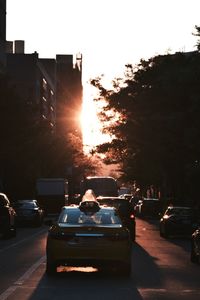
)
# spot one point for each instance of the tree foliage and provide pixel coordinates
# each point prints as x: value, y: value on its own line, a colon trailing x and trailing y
x: 197, y: 33
x: 157, y: 134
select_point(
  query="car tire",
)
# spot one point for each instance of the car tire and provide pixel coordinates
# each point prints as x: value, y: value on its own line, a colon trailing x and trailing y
x: 13, y: 232
x: 165, y: 232
x: 9, y: 232
x: 193, y: 257
x: 161, y: 230
x: 161, y: 234
x: 51, y: 267
x: 133, y: 237
x: 132, y: 234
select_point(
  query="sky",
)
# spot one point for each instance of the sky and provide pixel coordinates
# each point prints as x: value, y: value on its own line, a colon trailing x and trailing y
x: 108, y: 33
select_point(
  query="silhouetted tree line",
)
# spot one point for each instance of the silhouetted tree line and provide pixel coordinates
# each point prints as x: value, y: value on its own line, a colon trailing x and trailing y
x: 157, y: 131
x: 29, y: 149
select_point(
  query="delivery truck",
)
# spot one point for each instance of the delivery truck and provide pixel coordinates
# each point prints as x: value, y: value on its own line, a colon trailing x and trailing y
x: 101, y: 186
x: 52, y: 194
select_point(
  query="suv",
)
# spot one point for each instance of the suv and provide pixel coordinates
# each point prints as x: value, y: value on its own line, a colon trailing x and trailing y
x: 148, y: 207
x: 7, y: 218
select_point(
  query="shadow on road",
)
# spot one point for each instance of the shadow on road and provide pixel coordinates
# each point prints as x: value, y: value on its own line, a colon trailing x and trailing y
x: 146, y: 272
x: 75, y: 285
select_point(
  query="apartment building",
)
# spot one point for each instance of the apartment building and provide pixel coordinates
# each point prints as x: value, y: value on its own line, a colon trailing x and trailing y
x: 54, y: 85
x: 35, y: 82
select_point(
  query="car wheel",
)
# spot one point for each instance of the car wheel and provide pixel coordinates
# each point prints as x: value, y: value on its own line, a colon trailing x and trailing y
x: 161, y: 234
x: 13, y: 231
x: 51, y: 267
x: 9, y: 232
x: 132, y: 234
x: 193, y: 257
x: 165, y: 232
x: 161, y: 230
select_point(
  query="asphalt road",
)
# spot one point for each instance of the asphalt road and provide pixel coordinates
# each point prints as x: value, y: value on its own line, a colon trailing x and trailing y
x: 161, y: 269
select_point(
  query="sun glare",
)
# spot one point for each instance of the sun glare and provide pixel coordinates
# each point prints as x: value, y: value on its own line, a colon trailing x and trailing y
x: 91, y: 125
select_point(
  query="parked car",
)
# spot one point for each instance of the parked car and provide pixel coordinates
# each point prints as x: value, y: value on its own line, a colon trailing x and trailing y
x: 29, y: 212
x: 195, y: 246
x: 125, y: 211
x: 7, y: 217
x: 177, y: 220
x: 88, y: 234
x: 147, y: 207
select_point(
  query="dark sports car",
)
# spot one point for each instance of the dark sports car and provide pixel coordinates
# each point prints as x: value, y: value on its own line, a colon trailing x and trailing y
x: 177, y: 220
x: 29, y: 212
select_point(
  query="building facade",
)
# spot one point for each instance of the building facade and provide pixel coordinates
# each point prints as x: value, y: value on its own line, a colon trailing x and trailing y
x: 69, y: 93
x: 33, y: 84
x: 54, y: 85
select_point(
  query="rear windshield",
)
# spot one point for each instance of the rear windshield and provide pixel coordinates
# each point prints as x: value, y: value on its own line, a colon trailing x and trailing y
x: 25, y: 205
x: 77, y: 217
x: 180, y: 211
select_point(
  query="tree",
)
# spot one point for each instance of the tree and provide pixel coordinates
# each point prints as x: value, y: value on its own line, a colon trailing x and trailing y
x: 156, y: 136
x: 197, y: 33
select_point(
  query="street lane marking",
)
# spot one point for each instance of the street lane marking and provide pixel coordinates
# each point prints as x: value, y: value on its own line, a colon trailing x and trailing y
x: 8, y: 292
x: 28, y: 273
x: 22, y: 279
x: 24, y: 240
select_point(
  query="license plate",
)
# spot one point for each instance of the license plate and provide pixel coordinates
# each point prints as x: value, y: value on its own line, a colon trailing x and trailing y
x: 89, y: 234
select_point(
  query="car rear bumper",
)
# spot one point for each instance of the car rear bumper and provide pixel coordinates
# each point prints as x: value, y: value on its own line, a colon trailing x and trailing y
x: 61, y: 251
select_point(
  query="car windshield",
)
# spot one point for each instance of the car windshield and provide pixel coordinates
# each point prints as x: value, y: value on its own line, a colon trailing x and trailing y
x: 77, y: 217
